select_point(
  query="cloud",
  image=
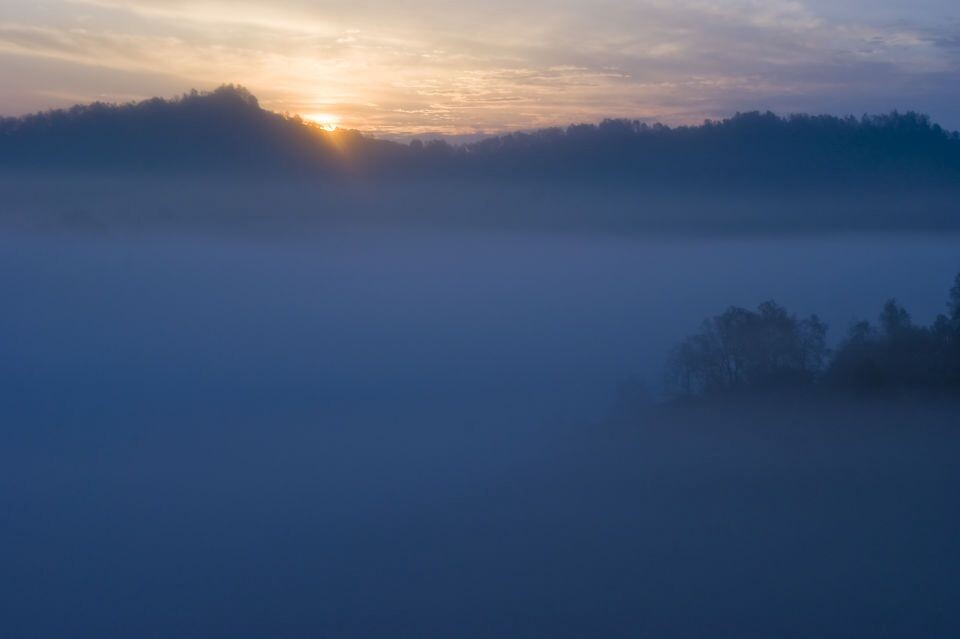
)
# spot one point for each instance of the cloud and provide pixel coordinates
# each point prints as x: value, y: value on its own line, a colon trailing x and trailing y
x: 426, y: 65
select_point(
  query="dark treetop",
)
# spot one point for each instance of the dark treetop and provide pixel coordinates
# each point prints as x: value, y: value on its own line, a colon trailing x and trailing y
x: 226, y: 130
x: 769, y: 349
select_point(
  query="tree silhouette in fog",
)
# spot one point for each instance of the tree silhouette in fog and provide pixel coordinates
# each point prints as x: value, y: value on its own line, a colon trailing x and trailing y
x: 771, y: 349
x: 741, y: 349
x: 954, y: 304
x: 899, y: 356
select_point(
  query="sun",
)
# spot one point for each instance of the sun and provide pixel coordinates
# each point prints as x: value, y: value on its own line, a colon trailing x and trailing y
x: 326, y: 121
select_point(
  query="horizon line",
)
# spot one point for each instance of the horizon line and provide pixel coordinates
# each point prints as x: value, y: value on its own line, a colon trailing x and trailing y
x: 333, y: 123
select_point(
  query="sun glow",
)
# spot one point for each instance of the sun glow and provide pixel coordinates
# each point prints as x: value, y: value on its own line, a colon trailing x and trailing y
x: 324, y: 120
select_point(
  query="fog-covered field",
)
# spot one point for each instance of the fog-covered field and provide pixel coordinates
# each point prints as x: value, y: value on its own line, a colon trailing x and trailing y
x: 403, y: 433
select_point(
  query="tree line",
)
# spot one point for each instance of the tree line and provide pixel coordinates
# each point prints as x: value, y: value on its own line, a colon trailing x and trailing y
x: 226, y: 129
x: 767, y: 349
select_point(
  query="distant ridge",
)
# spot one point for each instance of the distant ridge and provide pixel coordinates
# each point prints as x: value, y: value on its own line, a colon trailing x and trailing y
x: 227, y: 131
x: 224, y: 129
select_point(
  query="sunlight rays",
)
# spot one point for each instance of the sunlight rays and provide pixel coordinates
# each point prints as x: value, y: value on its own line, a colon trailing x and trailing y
x: 326, y: 121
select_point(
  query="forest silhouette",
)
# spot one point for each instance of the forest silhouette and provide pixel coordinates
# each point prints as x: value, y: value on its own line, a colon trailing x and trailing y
x: 226, y: 130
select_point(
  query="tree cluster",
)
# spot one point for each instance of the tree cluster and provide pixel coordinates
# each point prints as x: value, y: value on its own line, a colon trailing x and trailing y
x: 741, y: 348
x: 744, y: 350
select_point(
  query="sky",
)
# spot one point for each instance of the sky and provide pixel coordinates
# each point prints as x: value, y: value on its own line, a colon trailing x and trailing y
x: 411, y: 67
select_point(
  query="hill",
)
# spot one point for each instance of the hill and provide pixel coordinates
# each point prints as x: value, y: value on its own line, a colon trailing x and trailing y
x: 222, y: 130
x: 227, y: 131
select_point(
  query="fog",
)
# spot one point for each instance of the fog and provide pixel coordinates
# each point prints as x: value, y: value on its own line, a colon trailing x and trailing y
x: 432, y: 316
x: 256, y: 206
x: 368, y: 431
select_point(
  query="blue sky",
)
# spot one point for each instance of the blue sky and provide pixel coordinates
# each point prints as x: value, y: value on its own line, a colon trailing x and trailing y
x: 417, y: 66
